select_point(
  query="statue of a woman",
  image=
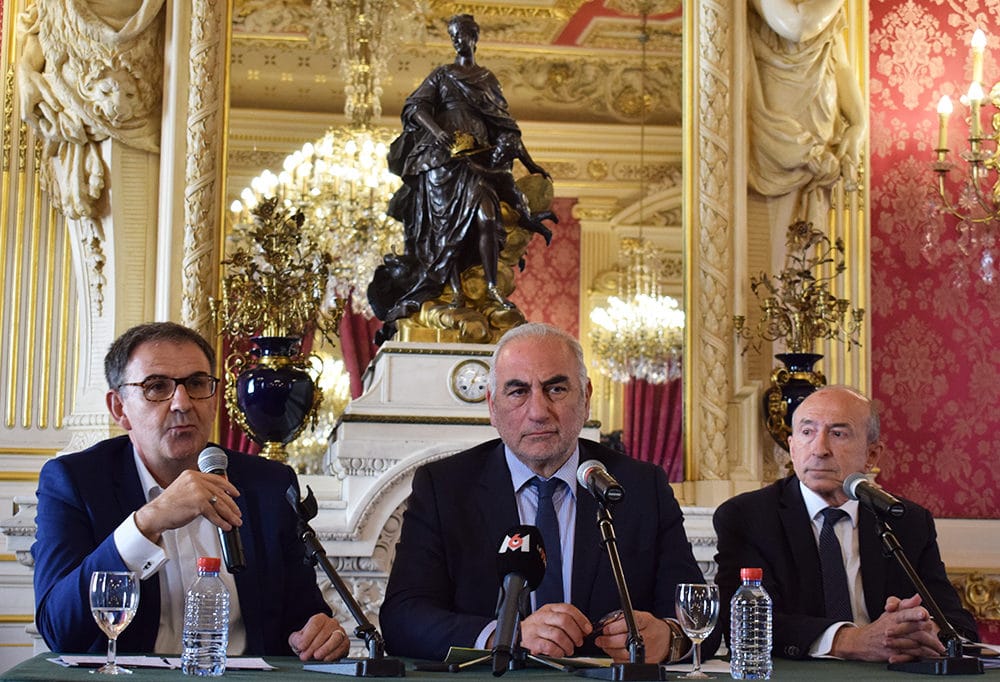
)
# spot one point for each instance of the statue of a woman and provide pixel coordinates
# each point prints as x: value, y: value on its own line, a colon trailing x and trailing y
x: 807, y: 117
x: 454, y: 156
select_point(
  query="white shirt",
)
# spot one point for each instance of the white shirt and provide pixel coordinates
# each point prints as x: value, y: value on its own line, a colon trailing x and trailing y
x: 847, y: 535
x: 175, y: 558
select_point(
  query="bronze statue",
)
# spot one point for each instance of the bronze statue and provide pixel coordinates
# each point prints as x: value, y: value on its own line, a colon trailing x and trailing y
x: 455, y: 156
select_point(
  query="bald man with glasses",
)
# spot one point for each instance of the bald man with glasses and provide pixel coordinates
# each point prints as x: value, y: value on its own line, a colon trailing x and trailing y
x: 138, y: 502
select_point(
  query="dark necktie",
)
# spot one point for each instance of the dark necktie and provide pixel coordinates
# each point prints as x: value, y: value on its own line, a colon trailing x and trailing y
x: 550, y: 591
x: 835, y: 591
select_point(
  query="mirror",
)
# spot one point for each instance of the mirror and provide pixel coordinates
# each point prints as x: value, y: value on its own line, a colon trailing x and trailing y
x: 573, y: 82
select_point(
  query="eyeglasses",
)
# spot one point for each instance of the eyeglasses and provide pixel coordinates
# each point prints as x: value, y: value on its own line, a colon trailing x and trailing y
x: 159, y: 389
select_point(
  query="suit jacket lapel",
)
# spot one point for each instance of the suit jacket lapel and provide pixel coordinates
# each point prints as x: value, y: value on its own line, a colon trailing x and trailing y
x: 873, y: 564
x: 797, y: 527
x: 496, y: 503
x: 587, y: 546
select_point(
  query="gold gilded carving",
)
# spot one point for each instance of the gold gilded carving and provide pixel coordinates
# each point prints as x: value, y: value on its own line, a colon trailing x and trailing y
x: 713, y: 259
x: 980, y: 594
x: 202, y: 174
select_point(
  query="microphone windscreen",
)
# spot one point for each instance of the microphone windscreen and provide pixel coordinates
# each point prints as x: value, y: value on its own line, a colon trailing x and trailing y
x: 212, y: 459
x: 522, y: 551
x: 583, y: 471
x: 851, y: 482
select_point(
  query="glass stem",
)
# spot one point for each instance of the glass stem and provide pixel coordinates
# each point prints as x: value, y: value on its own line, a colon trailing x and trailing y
x: 112, y: 651
x: 697, y: 657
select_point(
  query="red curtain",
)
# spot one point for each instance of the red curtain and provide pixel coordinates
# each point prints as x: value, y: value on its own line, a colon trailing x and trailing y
x: 357, y: 344
x: 654, y: 418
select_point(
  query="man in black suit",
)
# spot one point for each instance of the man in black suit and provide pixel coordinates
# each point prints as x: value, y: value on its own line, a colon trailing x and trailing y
x: 835, y: 433
x: 443, y: 587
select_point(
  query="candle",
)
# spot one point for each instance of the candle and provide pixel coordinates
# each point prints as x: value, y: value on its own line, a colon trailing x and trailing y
x: 975, y: 97
x: 978, y: 45
x: 944, y: 110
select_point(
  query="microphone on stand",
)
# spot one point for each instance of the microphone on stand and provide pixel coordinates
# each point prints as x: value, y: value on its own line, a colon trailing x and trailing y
x: 594, y: 476
x: 874, y: 497
x: 214, y: 460
x: 521, y: 565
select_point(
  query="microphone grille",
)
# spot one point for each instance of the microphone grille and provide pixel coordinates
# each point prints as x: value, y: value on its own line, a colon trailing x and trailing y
x: 212, y: 459
x: 851, y: 482
x: 585, y: 468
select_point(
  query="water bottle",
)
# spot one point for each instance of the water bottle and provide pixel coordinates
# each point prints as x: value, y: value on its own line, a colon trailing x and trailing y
x: 206, y: 622
x: 750, y: 629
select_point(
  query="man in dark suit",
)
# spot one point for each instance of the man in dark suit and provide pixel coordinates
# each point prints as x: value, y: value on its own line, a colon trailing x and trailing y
x: 443, y: 587
x: 139, y: 503
x: 835, y: 432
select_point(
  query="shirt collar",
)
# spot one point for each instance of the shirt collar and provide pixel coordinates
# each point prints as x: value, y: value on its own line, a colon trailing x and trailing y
x: 815, y: 504
x: 520, y: 474
x: 150, y: 488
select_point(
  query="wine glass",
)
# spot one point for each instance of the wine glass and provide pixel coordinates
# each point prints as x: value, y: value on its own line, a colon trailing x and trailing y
x: 697, y: 608
x: 114, y: 597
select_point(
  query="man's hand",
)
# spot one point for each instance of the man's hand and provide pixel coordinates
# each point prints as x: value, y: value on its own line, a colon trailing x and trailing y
x: 190, y: 495
x: 656, y: 637
x: 554, y: 630
x: 321, y: 639
x: 903, y: 633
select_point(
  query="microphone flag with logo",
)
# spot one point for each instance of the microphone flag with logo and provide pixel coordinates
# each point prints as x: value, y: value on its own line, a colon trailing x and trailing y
x: 520, y: 566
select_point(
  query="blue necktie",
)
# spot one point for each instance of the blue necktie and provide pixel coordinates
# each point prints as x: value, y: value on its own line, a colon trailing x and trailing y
x: 550, y: 591
x: 835, y: 592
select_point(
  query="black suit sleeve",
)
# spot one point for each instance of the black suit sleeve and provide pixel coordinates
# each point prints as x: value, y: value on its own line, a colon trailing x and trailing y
x: 424, y: 612
x: 749, y: 537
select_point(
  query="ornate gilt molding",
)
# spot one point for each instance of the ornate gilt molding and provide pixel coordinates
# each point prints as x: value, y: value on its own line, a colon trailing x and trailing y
x: 712, y: 111
x: 202, y: 181
x: 979, y: 593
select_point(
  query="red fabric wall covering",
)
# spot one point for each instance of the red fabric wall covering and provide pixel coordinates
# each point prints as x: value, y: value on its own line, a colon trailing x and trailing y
x: 548, y: 290
x: 936, y: 331
x: 654, y: 422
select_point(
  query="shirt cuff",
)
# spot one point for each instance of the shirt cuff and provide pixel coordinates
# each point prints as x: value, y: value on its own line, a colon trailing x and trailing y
x: 824, y: 643
x: 137, y: 551
x: 484, y: 636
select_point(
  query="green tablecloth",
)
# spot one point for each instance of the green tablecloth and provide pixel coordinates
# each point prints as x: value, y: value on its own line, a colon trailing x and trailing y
x: 290, y: 669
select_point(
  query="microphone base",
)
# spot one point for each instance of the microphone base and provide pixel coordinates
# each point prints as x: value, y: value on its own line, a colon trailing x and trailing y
x: 625, y: 672
x: 946, y: 665
x: 363, y: 667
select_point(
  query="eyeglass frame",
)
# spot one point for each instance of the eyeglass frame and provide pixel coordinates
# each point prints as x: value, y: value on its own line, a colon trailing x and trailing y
x: 178, y: 381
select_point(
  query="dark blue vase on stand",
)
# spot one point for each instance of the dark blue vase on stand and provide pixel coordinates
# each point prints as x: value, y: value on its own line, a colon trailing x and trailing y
x: 276, y: 395
x: 790, y: 385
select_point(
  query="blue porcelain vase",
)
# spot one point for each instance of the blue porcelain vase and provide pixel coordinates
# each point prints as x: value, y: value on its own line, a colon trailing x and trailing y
x: 276, y: 395
x: 790, y: 385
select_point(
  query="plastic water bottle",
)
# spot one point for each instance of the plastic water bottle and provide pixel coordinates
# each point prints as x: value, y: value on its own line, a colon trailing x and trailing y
x: 750, y: 629
x: 206, y: 622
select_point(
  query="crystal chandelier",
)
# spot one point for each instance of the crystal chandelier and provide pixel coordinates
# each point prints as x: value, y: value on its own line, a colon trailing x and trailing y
x: 977, y: 205
x: 341, y: 182
x: 640, y: 333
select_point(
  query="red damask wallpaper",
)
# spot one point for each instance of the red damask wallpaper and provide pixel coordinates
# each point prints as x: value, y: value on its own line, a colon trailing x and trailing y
x: 935, y: 325
x: 548, y: 290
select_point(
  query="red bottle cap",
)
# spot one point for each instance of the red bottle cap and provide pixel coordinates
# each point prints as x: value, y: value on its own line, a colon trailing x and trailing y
x: 751, y: 573
x: 209, y: 564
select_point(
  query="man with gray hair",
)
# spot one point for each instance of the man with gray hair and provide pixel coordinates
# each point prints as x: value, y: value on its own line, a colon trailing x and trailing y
x: 442, y: 591
x: 836, y: 595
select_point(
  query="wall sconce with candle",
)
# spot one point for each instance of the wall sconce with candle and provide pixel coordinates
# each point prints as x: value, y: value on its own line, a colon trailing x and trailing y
x: 977, y: 204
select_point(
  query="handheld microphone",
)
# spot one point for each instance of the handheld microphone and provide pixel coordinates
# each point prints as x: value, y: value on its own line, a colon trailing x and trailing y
x: 214, y: 460
x: 594, y: 476
x: 520, y: 565
x: 858, y: 487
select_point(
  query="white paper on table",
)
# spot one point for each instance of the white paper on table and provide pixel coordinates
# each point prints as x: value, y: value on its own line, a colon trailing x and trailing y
x: 234, y: 663
x: 125, y: 661
x: 712, y: 665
